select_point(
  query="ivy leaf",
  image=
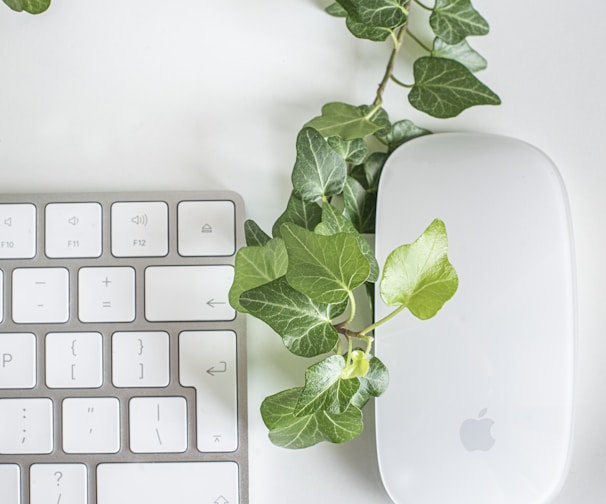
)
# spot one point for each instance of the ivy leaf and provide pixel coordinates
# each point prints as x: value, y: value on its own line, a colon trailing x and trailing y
x: 254, y: 235
x: 453, y: 20
x: 305, y: 326
x: 377, y: 13
x: 372, y: 384
x: 461, y: 52
x: 319, y: 172
x: 295, y: 432
x: 358, y: 367
x: 444, y: 88
x: 306, y: 214
x: 335, y: 9
x: 363, y: 31
x: 419, y: 276
x: 255, y: 266
x: 358, y: 29
x: 378, y: 116
x: 360, y: 205
x: 31, y: 6
x: 346, y: 121
x: 325, y: 268
x: 403, y: 131
x: 352, y: 151
x: 369, y: 172
x: 325, y: 389
x: 333, y: 223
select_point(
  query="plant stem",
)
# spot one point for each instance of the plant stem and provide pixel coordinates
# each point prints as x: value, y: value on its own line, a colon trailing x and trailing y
x: 339, y: 347
x: 400, y: 83
x: 390, y: 66
x: 352, y: 309
x: 349, y: 350
x: 372, y: 327
x: 418, y: 41
x: 369, y: 340
x: 423, y: 5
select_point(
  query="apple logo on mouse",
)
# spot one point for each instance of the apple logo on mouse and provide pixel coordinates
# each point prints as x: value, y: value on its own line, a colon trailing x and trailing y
x: 476, y: 432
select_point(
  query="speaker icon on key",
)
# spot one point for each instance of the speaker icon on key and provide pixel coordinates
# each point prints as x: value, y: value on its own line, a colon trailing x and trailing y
x: 140, y: 220
x: 73, y: 220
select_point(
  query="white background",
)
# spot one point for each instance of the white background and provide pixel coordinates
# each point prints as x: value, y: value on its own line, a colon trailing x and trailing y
x: 183, y: 94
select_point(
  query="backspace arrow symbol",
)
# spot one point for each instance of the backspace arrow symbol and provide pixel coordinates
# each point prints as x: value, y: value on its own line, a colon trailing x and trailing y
x: 212, y: 302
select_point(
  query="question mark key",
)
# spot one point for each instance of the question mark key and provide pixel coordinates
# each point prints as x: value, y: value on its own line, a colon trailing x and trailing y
x: 61, y: 483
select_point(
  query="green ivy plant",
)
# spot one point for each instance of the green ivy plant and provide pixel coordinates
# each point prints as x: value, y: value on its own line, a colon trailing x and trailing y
x: 31, y: 6
x: 301, y: 279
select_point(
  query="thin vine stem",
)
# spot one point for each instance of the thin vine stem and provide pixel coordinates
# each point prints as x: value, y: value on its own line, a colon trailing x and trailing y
x: 400, y: 83
x: 372, y: 327
x: 418, y: 41
x: 423, y: 6
x: 352, y: 309
x: 369, y: 340
x: 349, y: 350
x: 390, y: 66
x: 389, y: 72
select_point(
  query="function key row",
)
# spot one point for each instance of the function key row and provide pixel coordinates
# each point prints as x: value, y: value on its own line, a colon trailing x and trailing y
x: 138, y: 229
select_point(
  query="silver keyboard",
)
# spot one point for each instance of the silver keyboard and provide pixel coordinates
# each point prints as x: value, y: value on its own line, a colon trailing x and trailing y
x: 122, y: 364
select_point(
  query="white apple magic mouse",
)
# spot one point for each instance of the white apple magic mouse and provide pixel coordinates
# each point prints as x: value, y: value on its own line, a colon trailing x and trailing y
x: 480, y: 403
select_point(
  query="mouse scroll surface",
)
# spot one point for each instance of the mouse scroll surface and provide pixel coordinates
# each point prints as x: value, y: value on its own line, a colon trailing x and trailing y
x: 479, y: 406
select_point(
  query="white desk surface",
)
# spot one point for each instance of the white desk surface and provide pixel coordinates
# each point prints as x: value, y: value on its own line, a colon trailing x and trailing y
x: 150, y: 94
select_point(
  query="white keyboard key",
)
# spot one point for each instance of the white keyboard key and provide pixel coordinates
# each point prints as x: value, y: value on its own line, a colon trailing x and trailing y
x: 207, y: 362
x: 158, y: 424
x: 73, y: 230
x: 17, y: 231
x: 91, y: 425
x: 164, y: 483
x: 188, y: 293
x: 74, y: 360
x: 206, y: 228
x: 140, y: 359
x: 58, y: 484
x: 40, y: 295
x: 17, y: 360
x: 27, y: 426
x: 139, y: 229
x: 10, y: 483
x: 106, y: 294
x: 1, y: 296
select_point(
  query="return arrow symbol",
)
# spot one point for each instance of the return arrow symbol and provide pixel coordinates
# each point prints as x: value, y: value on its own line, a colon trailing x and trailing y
x: 211, y: 371
x: 212, y: 303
